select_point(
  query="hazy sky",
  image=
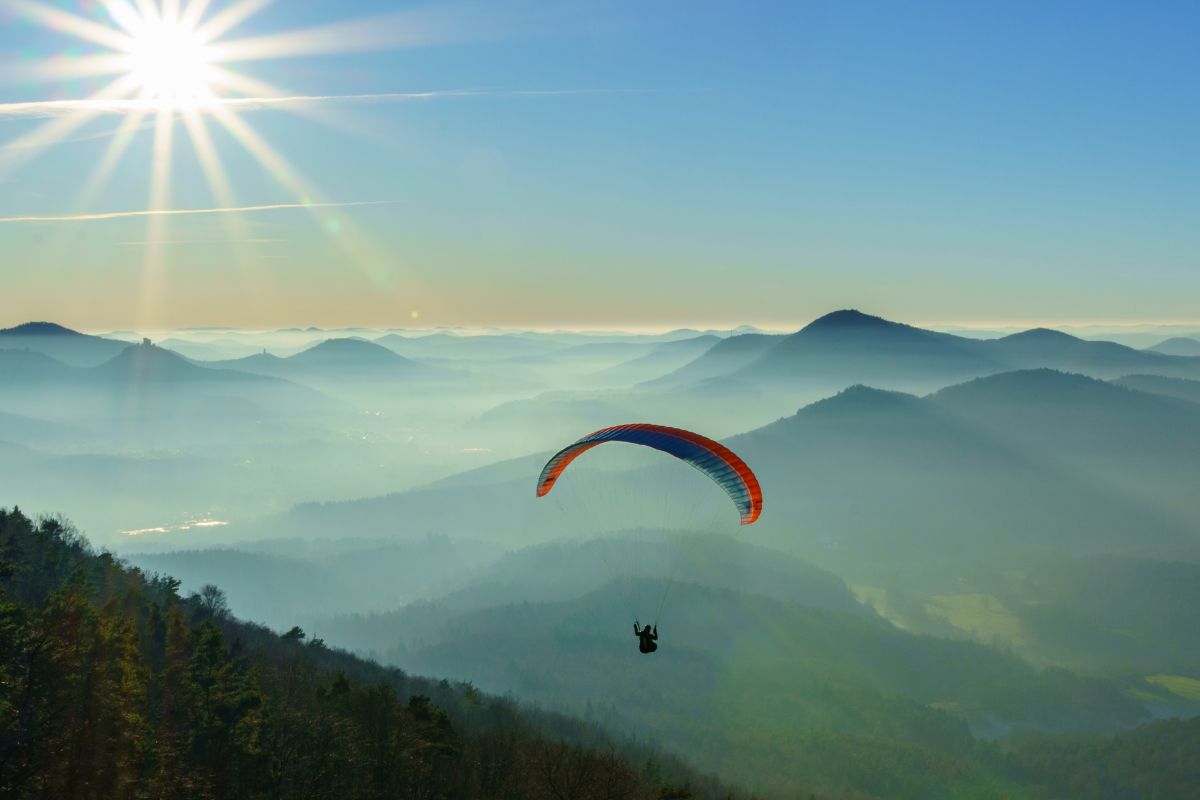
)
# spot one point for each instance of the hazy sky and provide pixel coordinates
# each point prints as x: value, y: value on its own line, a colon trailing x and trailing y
x: 648, y: 162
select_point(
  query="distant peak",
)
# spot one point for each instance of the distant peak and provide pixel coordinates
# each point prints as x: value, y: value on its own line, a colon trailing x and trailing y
x: 860, y: 398
x: 850, y: 320
x: 1041, y: 334
x: 39, y: 329
x: 847, y: 317
x: 148, y: 349
x: 347, y: 343
x: 347, y: 348
x: 147, y: 356
x: 1039, y: 382
x: 1178, y: 346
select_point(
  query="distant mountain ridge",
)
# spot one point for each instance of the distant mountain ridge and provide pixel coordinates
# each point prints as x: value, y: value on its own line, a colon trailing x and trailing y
x: 850, y: 345
x: 1168, y: 387
x: 1178, y: 346
x: 39, y: 329
x: 846, y: 347
x: 63, y: 344
x: 150, y: 389
x: 337, y: 359
x: 885, y: 475
x: 723, y: 358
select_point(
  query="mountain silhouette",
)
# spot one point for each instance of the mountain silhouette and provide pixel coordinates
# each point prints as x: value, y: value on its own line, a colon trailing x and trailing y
x: 1178, y: 346
x: 338, y: 359
x: 39, y: 329
x: 723, y: 358
x: 166, y: 386
x: 346, y: 351
x: 847, y: 347
x: 64, y: 344
x: 1168, y: 387
x: 1074, y: 413
x: 872, y: 476
x: 663, y: 359
x: 148, y: 362
x: 1042, y: 347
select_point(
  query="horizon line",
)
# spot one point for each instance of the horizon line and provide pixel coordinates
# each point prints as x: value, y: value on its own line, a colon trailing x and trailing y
x: 469, y: 329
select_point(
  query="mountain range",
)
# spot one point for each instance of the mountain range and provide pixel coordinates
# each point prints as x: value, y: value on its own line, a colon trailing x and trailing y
x: 1178, y: 346
x: 63, y: 344
x: 848, y: 347
x: 754, y: 681
x: 1020, y: 460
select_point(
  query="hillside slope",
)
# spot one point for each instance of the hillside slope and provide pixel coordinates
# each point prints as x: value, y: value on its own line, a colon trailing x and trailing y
x: 114, y: 686
x: 869, y: 479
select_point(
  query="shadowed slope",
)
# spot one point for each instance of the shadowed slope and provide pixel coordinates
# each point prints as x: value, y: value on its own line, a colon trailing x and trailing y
x: 64, y: 344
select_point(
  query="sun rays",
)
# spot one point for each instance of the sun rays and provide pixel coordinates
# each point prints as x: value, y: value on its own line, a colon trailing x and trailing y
x: 164, y: 67
x: 170, y: 68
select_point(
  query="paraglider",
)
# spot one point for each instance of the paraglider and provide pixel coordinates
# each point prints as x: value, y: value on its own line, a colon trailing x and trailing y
x: 647, y: 637
x: 713, y: 459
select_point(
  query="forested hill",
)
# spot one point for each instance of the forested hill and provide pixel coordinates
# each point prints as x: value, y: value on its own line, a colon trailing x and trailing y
x: 113, y: 686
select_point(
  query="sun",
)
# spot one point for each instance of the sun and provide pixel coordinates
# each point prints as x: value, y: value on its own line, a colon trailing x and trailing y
x: 180, y: 65
x: 170, y: 63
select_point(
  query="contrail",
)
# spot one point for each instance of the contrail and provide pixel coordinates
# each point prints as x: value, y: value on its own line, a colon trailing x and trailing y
x: 56, y: 108
x: 179, y: 212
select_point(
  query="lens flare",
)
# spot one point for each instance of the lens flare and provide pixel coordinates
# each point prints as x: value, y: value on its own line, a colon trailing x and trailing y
x: 169, y: 66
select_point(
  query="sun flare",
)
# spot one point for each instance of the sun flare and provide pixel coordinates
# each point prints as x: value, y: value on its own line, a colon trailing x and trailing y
x: 179, y: 67
x: 171, y: 64
x: 168, y: 68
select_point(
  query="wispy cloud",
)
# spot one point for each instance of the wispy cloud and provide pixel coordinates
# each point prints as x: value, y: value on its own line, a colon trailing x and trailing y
x: 105, y: 134
x: 41, y: 109
x: 180, y: 212
x: 190, y: 242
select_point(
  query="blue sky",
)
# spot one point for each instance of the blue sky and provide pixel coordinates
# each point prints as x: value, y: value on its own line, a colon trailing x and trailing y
x: 646, y: 164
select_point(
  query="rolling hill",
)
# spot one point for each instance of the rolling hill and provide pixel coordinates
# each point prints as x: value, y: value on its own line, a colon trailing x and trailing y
x: 1168, y: 387
x: 723, y: 358
x: 148, y: 374
x: 336, y: 360
x: 1045, y: 348
x: 849, y: 347
x: 63, y: 344
x: 663, y: 359
x: 871, y: 479
x: 767, y: 693
x: 127, y: 687
x: 1178, y: 346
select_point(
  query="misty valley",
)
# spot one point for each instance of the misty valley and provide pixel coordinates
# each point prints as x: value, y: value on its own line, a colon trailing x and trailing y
x: 975, y: 573
x: 599, y: 400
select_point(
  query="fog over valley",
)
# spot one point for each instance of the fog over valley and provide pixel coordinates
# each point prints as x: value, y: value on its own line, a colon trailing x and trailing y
x: 971, y: 548
x: 603, y: 400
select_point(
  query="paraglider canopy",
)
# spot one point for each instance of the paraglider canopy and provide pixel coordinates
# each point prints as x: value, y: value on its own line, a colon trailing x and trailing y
x: 715, y: 460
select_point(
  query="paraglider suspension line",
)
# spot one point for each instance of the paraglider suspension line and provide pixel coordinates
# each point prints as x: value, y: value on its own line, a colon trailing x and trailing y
x: 662, y: 601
